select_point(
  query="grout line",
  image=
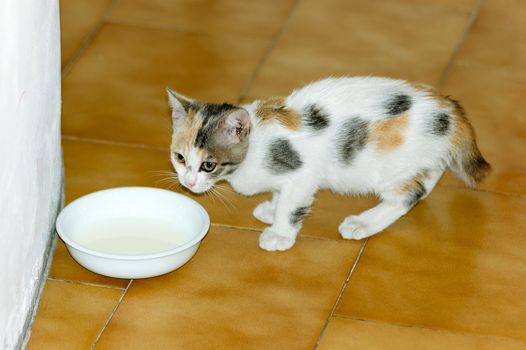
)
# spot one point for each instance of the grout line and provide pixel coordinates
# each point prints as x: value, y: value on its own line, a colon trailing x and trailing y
x: 84, y: 283
x: 440, y: 330
x: 337, y: 239
x: 347, y: 280
x: 456, y: 50
x: 87, y: 41
x: 240, y: 228
x: 114, y: 143
x: 502, y: 193
x: 111, y: 316
x: 248, y: 84
x: 148, y: 25
x: 177, y: 29
x: 480, y: 190
x: 109, y: 9
x: 82, y: 48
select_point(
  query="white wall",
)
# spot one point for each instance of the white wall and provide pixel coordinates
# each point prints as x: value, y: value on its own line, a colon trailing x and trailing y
x: 30, y: 155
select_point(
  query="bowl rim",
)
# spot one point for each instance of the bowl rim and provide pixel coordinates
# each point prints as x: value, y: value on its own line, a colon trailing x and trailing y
x: 180, y: 248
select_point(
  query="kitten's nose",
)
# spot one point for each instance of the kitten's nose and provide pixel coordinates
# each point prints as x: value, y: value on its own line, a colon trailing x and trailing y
x: 190, y: 181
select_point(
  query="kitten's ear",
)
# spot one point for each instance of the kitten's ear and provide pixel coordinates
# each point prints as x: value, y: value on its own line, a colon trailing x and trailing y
x: 237, y: 126
x: 179, y: 104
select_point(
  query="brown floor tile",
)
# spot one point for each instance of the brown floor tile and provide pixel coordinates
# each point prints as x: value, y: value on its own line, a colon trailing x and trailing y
x: 64, y: 267
x: 92, y: 167
x: 70, y: 316
x: 352, y: 334
x: 233, y: 295
x: 489, y: 78
x: 400, y: 39
x: 116, y: 91
x: 78, y: 18
x: 455, y: 262
x: 262, y: 18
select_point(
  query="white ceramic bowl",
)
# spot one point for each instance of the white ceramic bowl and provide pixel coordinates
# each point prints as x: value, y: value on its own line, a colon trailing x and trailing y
x: 188, y: 217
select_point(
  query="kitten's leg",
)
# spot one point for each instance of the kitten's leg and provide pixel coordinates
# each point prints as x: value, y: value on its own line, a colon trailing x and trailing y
x: 265, y: 211
x: 373, y: 220
x: 292, y: 206
x: 395, y: 203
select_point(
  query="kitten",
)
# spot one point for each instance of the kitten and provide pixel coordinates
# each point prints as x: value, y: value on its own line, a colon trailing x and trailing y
x: 350, y: 135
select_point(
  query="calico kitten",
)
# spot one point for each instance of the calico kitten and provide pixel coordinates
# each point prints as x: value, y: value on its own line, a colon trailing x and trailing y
x: 350, y: 135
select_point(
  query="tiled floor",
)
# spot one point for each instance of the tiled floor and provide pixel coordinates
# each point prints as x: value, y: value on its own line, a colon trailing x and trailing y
x: 449, y: 275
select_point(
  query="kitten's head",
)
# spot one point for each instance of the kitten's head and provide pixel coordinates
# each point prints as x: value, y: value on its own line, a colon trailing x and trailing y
x: 209, y: 141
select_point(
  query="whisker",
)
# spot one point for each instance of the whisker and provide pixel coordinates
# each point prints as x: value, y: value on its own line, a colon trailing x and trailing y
x: 226, y: 188
x: 224, y: 199
x: 159, y: 173
x: 165, y: 182
x: 214, y: 196
x: 209, y: 194
x: 168, y: 178
x: 174, y: 183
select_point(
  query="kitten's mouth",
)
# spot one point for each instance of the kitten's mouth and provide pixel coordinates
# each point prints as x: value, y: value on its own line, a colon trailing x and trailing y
x: 195, y: 189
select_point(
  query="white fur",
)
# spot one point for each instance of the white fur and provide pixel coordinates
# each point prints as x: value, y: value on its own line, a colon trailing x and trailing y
x: 371, y: 171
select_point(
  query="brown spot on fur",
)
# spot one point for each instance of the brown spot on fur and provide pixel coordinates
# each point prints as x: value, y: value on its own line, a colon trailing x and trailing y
x: 433, y: 94
x: 461, y: 136
x: 188, y: 133
x: 274, y: 108
x: 388, y: 134
x: 467, y: 161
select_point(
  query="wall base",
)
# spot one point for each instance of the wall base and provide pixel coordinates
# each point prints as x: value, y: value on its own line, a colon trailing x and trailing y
x: 23, y: 339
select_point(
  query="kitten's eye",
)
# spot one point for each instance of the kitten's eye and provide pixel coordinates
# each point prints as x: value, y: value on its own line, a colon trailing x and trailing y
x: 179, y: 157
x: 208, y: 166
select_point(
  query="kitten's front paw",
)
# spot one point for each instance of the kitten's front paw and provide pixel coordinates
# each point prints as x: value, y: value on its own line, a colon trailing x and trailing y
x: 353, y: 228
x: 264, y: 212
x: 271, y: 241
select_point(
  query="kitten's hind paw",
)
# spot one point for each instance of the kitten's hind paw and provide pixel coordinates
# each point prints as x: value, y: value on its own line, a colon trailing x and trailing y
x: 264, y: 212
x: 353, y: 228
x: 271, y: 241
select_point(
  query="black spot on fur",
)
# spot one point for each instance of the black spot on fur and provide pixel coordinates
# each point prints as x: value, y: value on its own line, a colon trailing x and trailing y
x: 440, y: 124
x: 398, y: 104
x: 298, y: 215
x: 315, y: 118
x: 352, y: 138
x: 415, y: 194
x: 211, y: 110
x: 282, y: 158
x: 212, y: 114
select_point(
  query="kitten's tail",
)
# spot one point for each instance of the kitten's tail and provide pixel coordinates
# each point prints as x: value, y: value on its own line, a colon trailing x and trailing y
x: 466, y: 161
